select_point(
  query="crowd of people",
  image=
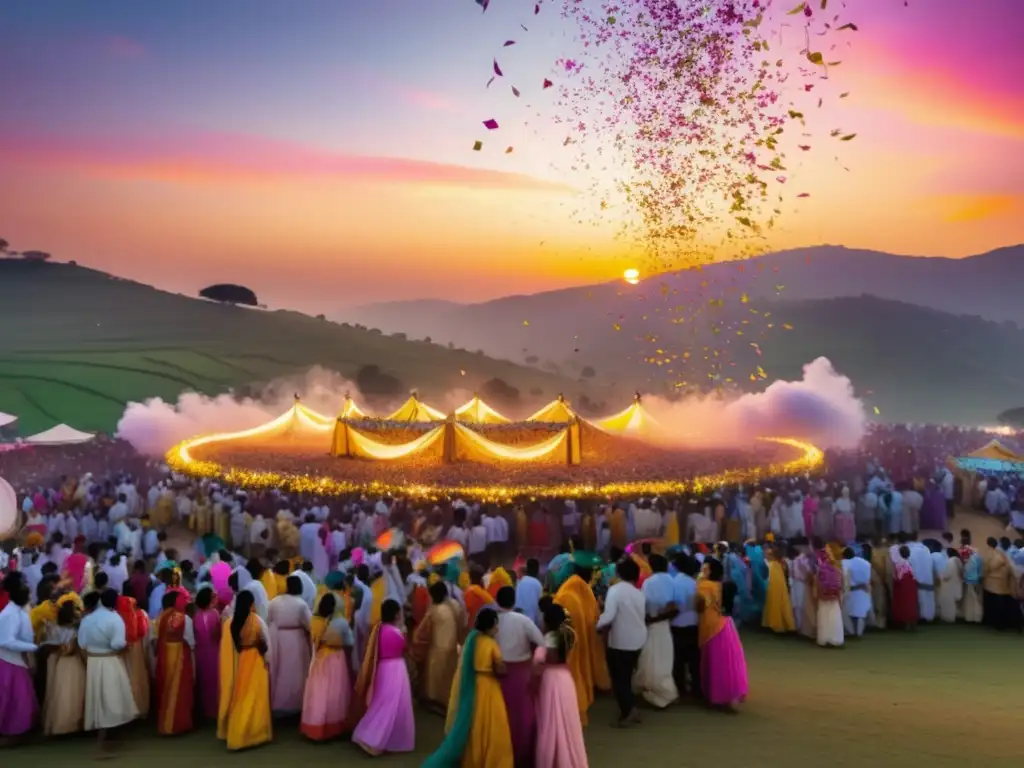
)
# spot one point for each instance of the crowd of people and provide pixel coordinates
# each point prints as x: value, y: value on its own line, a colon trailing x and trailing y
x: 507, y: 621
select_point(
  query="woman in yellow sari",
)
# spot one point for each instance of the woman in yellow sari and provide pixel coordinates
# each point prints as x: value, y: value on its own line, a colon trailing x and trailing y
x: 477, y: 731
x: 244, y: 717
x: 778, y: 608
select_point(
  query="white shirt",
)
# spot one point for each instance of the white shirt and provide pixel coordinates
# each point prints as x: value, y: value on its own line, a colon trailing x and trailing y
x: 516, y: 633
x: 102, y: 631
x: 308, y: 587
x: 459, y: 534
x: 490, y: 525
x: 625, y: 612
x: 15, y: 635
x: 477, y: 539
x: 261, y: 598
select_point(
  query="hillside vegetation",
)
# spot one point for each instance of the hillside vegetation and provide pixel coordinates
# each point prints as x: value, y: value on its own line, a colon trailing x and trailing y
x: 77, y: 344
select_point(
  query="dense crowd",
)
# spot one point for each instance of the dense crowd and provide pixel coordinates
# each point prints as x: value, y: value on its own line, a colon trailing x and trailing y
x: 135, y: 593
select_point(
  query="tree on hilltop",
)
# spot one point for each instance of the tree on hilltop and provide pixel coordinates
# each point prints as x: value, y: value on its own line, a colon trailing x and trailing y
x: 227, y: 293
x: 35, y: 256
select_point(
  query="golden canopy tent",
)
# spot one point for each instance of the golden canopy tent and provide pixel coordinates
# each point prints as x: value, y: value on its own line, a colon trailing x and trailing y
x: 476, y: 411
x: 349, y: 409
x: 558, y: 411
x: 995, y: 451
x: 633, y: 420
x: 413, y: 410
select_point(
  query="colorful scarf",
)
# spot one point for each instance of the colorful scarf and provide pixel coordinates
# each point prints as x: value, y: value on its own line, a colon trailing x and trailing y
x: 830, y: 578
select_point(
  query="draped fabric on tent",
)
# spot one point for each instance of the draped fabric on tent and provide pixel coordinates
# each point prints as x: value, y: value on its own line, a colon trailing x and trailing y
x: 471, y: 446
x: 476, y: 411
x: 9, y: 517
x: 351, y: 443
x: 413, y: 410
x: 62, y: 434
x: 557, y: 411
x: 6, y: 419
x: 452, y: 441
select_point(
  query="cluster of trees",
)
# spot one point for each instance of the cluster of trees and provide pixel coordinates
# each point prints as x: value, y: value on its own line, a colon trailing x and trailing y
x: 227, y: 293
x: 5, y: 249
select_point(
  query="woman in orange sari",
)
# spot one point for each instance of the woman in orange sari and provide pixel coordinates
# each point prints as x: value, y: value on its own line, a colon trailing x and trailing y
x: 723, y: 667
x: 175, y: 687
x: 244, y: 717
x: 476, y: 596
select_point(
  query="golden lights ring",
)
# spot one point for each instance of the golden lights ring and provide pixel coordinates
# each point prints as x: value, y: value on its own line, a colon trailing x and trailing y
x: 181, y: 460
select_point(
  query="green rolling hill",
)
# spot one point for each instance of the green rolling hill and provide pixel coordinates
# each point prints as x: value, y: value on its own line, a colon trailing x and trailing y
x: 76, y: 345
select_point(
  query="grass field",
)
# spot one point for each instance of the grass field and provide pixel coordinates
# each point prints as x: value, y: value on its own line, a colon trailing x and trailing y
x: 76, y: 345
x: 944, y: 696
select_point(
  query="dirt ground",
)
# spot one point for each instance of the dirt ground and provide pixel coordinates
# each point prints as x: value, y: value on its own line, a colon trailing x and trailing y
x: 943, y: 696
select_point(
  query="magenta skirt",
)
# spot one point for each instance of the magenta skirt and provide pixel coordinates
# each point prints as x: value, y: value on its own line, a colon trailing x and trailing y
x: 521, y: 708
x: 723, y: 667
x: 18, y: 704
x: 389, y: 724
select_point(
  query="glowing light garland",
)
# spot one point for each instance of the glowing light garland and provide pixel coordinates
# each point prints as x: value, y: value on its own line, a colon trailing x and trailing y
x: 366, y: 447
x: 180, y: 460
x: 478, y: 444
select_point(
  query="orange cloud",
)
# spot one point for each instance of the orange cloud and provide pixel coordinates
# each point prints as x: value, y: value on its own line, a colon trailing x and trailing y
x: 958, y: 209
x: 224, y: 158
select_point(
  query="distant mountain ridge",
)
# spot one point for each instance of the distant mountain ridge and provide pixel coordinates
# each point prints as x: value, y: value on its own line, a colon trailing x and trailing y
x: 920, y: 334
x: 985, y: 284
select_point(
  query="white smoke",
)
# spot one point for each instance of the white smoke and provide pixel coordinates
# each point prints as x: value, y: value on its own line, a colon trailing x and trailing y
x: 821, y: 408
x: 155, y: 426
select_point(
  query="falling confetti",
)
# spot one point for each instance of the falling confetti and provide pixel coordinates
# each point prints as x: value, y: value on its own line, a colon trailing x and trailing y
x: 497, y: 69
x: 477, y: 146
x: 491, y: 125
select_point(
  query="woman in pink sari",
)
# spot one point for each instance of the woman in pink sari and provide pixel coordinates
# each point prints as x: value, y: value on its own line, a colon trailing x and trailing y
x: 559, y: 740
x: 383, y: 688
x: 207, y: 627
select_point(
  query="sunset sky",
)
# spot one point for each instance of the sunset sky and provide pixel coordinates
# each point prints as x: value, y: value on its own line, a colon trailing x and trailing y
x: 320, y: 151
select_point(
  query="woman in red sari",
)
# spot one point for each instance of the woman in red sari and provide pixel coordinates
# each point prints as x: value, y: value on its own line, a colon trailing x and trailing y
x: 175, y: 639
x: 904, y: 592
x: 136, y: 630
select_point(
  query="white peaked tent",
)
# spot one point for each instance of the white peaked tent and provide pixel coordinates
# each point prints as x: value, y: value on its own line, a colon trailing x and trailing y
x: 6, y: 419
x: 62, y: 434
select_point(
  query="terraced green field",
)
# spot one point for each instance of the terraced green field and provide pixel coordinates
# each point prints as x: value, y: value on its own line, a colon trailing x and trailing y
x: 76, y: 345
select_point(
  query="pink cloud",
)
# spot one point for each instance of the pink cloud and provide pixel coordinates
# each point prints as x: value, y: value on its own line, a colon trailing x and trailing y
x: 430, y: 100
x: 122, y: 47
x: 228, y: 158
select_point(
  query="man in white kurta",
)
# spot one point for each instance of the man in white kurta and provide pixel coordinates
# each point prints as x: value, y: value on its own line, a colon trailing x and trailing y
x: 857, y: 604
x: 109, y: 702
x: 924, y: 573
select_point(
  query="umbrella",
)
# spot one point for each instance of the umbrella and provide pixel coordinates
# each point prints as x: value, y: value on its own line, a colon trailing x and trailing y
x: 444, y: 551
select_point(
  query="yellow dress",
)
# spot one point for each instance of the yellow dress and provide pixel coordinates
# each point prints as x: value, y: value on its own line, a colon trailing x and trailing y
x: 490, y: 740
x: 672, y: 529
x: 244, y: 714
x: 617, y: 528
x: 269, y: 583
x: 778, y: 609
